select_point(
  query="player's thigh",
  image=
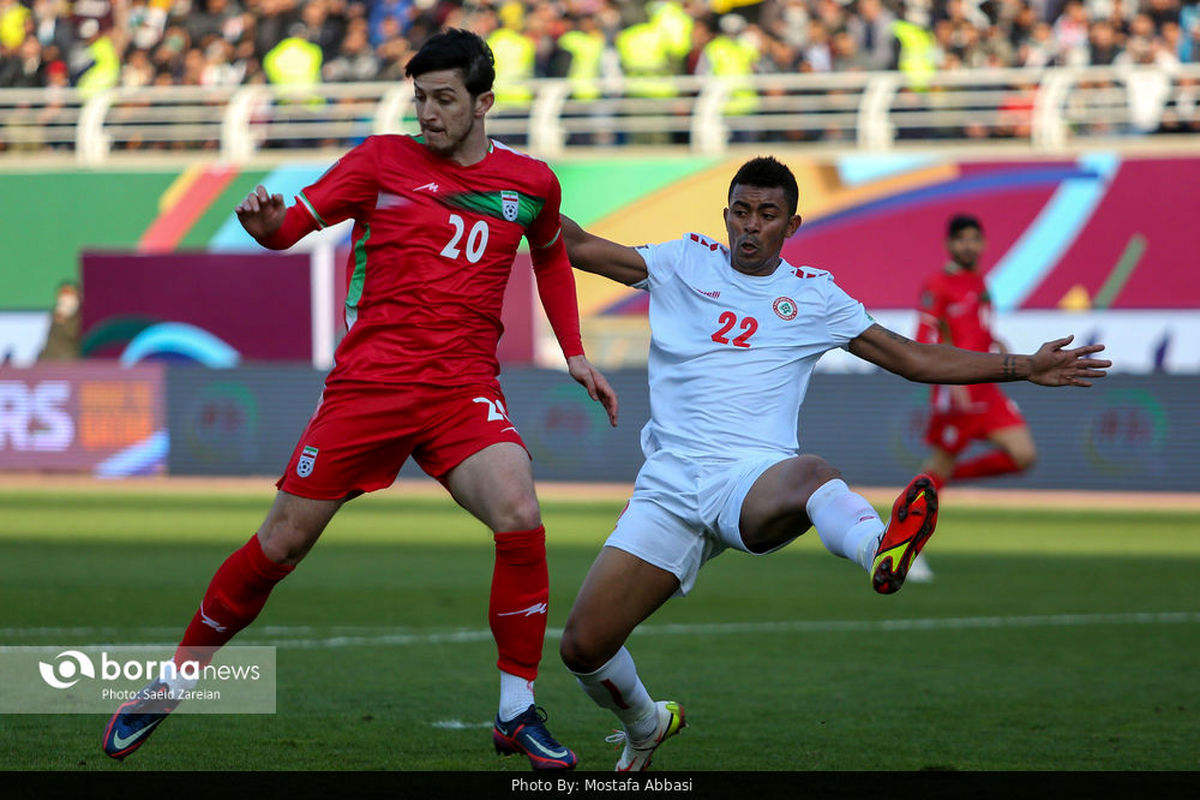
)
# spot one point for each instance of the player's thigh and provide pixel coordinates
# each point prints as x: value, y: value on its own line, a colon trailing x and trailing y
x: 474, y: 449
x: 1017, y: 440
x: 496, y: 486
x: 774, y: 510
x: 620, y: 591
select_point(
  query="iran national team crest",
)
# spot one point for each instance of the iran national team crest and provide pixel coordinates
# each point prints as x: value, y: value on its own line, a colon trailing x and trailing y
x: 308, y: 459
x: 510, y: 204
x: 785, y: 308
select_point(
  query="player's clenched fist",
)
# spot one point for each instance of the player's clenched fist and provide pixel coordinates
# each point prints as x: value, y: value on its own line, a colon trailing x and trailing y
x: 260, y: 213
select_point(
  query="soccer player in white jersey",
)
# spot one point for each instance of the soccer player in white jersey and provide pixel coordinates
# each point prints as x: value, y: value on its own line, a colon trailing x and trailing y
x: 735, y: 333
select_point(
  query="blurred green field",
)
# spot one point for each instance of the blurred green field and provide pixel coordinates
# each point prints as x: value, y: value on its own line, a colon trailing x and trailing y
x: 1051, y: 640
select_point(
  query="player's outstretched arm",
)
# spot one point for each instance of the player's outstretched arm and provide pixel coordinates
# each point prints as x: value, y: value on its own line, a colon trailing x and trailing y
x: 1051, y: 365
x: 598, y: 255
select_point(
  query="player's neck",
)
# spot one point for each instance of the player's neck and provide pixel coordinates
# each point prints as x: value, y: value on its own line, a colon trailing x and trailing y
x: 474, y: 149
x: 764, y: 271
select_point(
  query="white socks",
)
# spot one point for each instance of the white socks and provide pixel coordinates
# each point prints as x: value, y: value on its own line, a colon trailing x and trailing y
x: 516, y: 695
x: 846, y: 522
x: 617, y: 687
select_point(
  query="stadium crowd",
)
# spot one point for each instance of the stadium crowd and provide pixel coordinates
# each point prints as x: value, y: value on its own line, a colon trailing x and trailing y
x: 94, y: 44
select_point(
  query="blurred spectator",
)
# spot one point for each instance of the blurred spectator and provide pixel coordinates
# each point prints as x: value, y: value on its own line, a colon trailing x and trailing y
x: 514, y: 51
x: 97, y: 64
x: 24, y: 68
x: 295, y: 62
x: 1102, y: 44
x: 62, y: 339
x: 356, y: 61
x: 871, y: 29
x: 732, y: 55
x: 1071, y: 34
x: 399, y: 11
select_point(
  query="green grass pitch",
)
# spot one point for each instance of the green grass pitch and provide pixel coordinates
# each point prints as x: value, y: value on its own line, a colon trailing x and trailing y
x: 1051, y: 640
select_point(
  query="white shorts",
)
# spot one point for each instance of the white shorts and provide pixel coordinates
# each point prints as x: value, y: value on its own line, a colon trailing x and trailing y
x: 684, y: 512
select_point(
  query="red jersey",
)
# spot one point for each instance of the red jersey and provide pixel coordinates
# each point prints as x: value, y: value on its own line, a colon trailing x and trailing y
x: 433, y: 246
x: 954, y: 308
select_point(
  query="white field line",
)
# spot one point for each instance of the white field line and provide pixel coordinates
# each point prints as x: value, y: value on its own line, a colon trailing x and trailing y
x: 397, y: 637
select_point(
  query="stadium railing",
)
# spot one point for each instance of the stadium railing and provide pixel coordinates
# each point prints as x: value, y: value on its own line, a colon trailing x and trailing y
x: 1041, y: 109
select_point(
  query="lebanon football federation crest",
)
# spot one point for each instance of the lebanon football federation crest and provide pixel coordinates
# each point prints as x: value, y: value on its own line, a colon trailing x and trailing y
x: 785, y: 308
x: 308, y: 458
x: 510, y: 204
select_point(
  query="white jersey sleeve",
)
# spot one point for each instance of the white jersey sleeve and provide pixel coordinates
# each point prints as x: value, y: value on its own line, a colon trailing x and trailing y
x: 661, y: 262
x: 845, y: 317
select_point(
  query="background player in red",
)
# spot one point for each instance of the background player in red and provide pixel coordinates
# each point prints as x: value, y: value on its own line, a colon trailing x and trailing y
x: 955, y: 309
x: 437, y: 223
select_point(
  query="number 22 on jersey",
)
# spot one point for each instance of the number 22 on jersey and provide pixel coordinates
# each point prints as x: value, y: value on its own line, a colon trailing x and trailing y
x: 728, y: 320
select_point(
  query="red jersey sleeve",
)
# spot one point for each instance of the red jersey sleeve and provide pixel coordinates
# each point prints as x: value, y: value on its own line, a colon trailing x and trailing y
x: 347, y: 189
x: 931, y: 305
x: 555, y: 281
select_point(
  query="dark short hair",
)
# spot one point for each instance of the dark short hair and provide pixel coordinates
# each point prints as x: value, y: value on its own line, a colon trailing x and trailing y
x: 455, y: 48
x: 767, y: 173
x: 961, y: 222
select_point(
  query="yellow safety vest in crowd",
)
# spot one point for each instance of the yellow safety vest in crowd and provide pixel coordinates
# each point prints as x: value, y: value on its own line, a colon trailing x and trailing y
x: 645, y: 61
x: 675, y: 26
x: 515, y: 55
x: 918, y: 53
x: 733, y: 59
x: 105, y: 72
x: 587, y: 50
x: 294, y: 62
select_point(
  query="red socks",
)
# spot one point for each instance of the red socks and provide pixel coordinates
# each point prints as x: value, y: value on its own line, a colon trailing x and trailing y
x: 237, y: 593
x: 997, y: 462
x: 520, y: 591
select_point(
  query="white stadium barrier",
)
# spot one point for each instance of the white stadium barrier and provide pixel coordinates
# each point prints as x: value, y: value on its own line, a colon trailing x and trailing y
x: 1040, y: 109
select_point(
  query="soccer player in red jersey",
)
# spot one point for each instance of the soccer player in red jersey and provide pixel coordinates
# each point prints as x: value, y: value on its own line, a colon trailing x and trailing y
x: 437, y: 222
x: 955, y: 309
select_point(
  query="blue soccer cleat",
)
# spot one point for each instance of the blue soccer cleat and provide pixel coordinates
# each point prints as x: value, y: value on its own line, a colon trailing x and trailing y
x: 136, y: 719
x: 526, y: 733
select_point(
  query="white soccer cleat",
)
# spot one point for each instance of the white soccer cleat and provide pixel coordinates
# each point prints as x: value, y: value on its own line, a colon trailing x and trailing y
x: 920, y: 571
x: 636, y: 755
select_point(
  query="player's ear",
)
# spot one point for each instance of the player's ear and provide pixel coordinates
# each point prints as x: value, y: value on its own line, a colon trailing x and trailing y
x: 794, y: 224
x: 484, y: 103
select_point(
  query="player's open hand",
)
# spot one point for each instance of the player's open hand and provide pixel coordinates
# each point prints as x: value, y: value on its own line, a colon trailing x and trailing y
x: 261, y: 213
x: 596, y: 384
x: 1054, y: 366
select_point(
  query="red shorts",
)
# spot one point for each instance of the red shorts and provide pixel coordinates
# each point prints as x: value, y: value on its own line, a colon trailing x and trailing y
x: 358, y: 439
x: 987, y: 410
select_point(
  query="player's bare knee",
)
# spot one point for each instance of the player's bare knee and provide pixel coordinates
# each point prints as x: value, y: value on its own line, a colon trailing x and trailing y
x: 575, y: 653
x: 1024, y: 458
x: 815, y: 473
x: 283, y: 542
x: 518, y: 513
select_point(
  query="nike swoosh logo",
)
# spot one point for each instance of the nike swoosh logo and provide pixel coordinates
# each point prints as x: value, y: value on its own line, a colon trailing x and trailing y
x: 548, y: 753
x: 121, y: 743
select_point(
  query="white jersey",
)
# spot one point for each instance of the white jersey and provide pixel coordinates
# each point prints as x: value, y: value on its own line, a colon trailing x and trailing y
x: 731, y: 354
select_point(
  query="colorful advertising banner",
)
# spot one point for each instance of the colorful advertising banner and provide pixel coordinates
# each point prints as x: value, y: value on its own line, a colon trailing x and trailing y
x: 98, y: 418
